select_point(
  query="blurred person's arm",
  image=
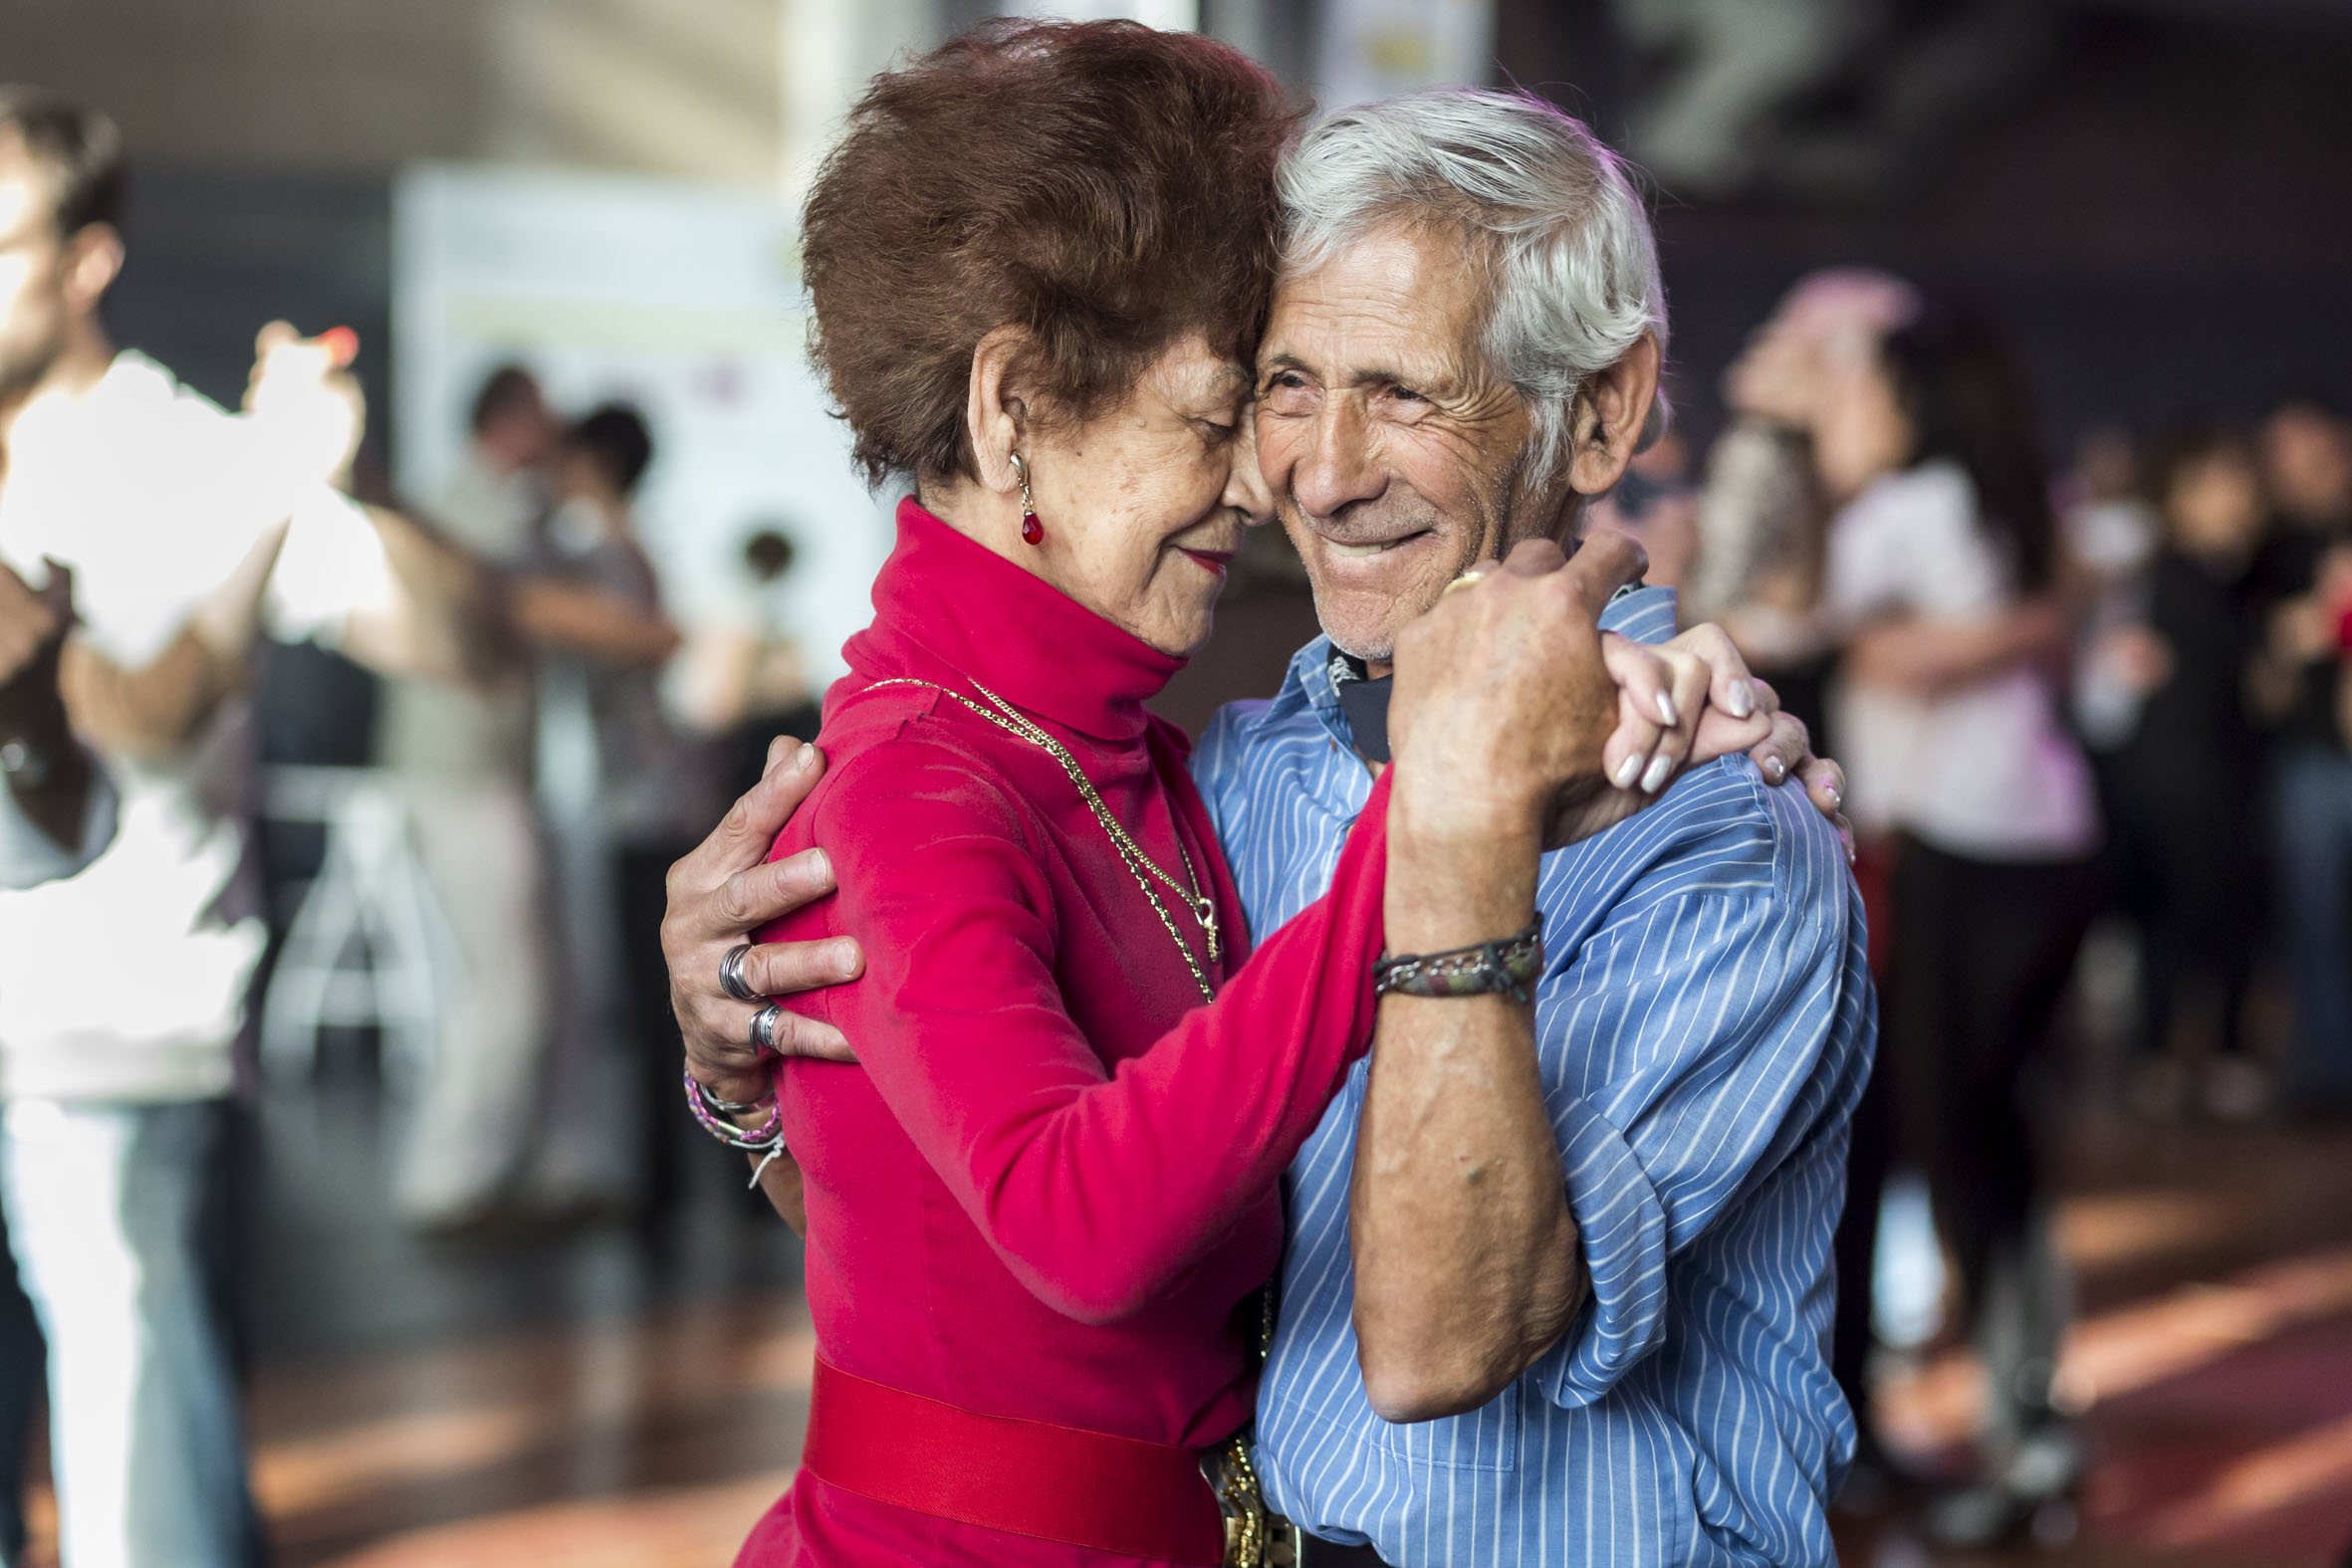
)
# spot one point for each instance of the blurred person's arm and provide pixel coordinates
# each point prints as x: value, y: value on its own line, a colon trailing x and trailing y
x: 51, y: 792
x: 445, y: 618
x: 592, y: 622
x: 1928, y: 656
x: 731, y: 672
x: 427, y: 608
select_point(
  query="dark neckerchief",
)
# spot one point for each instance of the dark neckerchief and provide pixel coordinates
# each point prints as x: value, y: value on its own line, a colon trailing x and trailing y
x: 1363, y: 701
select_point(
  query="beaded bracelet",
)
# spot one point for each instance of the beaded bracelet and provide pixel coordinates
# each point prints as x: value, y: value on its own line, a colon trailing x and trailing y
x: 711, y: 1112
x: 1506, y: 968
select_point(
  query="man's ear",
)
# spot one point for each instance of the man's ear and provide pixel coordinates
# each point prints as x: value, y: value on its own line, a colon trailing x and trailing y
x: 1610, y: 413
x: 93, y: 259
x: 996, y: 417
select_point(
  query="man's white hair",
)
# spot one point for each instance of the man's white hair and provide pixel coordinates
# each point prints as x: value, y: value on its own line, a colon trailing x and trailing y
x: 1569, y: 255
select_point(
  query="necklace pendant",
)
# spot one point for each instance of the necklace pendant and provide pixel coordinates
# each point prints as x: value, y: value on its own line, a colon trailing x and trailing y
x: 1208, y: 914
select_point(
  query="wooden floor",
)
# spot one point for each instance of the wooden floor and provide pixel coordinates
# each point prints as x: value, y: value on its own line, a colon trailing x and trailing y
x: 597, y: 1395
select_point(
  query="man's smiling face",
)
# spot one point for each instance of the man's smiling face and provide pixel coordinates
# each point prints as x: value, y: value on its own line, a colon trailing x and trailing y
x: 1394, y: 452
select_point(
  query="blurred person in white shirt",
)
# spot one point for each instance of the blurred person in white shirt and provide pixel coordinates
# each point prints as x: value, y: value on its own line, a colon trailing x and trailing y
x: 56, y: 812
x: 1941, y: 570
x: 188, y: 529
x: 464, y: 759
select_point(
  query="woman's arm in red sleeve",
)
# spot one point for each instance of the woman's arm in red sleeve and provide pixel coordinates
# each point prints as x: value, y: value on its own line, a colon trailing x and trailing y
x: 1097, y: 1188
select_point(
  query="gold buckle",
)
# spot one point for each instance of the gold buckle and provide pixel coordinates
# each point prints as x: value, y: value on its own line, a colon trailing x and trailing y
x: 1255, y: 1536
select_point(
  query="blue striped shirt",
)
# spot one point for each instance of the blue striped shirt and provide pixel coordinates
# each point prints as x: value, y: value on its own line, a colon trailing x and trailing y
x: 1703, y: 1028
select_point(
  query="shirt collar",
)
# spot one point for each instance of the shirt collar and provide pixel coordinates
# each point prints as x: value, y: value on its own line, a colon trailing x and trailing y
x: 1643, y: 613
x: 987, y: 619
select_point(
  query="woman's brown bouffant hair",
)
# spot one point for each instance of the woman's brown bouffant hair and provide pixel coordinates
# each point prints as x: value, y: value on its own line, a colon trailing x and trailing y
x: 1105, y: 185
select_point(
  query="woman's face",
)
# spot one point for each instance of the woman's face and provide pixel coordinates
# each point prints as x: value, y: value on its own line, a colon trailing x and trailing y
x: 1860, y: 432
x: 1144, y: 504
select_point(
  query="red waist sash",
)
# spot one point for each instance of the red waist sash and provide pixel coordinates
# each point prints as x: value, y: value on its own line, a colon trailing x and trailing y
x: 1024, y: 1478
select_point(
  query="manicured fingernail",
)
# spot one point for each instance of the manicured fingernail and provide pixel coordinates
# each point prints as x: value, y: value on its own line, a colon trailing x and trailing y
x: 1666, y: 710
x: 1627, y: 771
x: 846, y: 956
x: 1655, y: 779
x: 1776, y: 768
x: 805, y: 758
x: 821, y: 866
x: 1743, y: 700
x: 1838, y: 796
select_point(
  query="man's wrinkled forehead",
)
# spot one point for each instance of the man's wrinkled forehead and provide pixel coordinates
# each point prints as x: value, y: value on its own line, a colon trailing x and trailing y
x: 1385, y: 306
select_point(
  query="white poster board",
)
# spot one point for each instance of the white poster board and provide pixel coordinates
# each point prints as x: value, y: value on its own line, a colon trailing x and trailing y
x: 684, y: 300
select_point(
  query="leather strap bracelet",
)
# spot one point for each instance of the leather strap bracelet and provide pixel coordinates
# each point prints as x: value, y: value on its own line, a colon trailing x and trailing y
x: 1484, y: 969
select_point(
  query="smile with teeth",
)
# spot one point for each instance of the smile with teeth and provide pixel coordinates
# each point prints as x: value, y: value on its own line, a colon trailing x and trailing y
x: 1355, y: 551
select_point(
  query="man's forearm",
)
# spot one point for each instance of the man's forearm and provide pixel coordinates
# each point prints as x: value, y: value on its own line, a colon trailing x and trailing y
x: 1466, y: 1259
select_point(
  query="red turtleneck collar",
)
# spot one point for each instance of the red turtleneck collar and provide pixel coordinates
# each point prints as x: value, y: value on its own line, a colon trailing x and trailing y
x: 1009, y: 629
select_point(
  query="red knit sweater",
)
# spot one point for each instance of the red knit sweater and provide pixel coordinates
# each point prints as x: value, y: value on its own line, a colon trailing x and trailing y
x: 1049, y: 1181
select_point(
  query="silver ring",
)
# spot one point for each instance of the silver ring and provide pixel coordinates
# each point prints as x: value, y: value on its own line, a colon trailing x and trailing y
x: 731, y: 978
x: 763, y: 1027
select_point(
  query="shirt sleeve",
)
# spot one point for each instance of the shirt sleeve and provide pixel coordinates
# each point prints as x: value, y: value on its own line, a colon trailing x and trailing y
x: 1694, y: 1027
x: 29, y: 856
x: 331, y: 567
x: 1097, y: 1187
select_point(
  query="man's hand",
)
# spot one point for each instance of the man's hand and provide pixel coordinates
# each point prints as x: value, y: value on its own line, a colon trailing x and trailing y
x: 302, y: 394
x: 1504, y: 700
x: 718, y: 896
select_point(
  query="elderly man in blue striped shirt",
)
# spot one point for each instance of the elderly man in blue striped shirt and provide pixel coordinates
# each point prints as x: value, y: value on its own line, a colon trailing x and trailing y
x: 1559, y: 1276
x: 1558, y: 1280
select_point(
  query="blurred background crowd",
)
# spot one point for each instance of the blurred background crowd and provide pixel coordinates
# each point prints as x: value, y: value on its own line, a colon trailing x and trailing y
x: 2059, y: 284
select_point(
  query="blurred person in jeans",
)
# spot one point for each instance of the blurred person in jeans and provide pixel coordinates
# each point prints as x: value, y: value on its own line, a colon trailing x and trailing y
x: 595, y: 603
x: 2303, y: 583
x: 187, y: 530
x: 464, y: 759
x: 2181, y: 780
x: 1958, y: 760
x: 57, y: 811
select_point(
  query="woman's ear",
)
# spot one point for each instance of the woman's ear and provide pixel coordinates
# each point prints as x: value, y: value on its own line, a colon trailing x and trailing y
x: 1610, y: 413
x: 995, y: 415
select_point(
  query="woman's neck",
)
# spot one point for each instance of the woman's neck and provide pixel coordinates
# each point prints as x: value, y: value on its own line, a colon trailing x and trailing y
x: 987, y: 518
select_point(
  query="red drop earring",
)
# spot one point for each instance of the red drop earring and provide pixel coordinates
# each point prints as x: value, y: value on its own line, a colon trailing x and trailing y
x: 1032, y: 531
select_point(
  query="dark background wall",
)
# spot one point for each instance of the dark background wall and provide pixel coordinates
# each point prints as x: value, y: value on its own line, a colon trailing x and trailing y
x: 2158, y: 196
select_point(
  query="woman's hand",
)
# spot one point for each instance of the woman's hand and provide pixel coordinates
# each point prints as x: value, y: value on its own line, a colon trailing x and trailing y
x: 1718, y: 708
x: 718, y: 896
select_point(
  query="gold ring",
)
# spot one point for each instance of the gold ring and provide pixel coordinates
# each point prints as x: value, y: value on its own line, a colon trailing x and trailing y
x: 1466, y: 580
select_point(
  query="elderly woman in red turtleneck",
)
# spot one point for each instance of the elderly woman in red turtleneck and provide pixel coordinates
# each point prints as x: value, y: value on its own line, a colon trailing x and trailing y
x: 1040, y: 1205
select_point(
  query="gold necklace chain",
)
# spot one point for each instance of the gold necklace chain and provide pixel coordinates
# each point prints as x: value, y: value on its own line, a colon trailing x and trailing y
x: 1008, y: 718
